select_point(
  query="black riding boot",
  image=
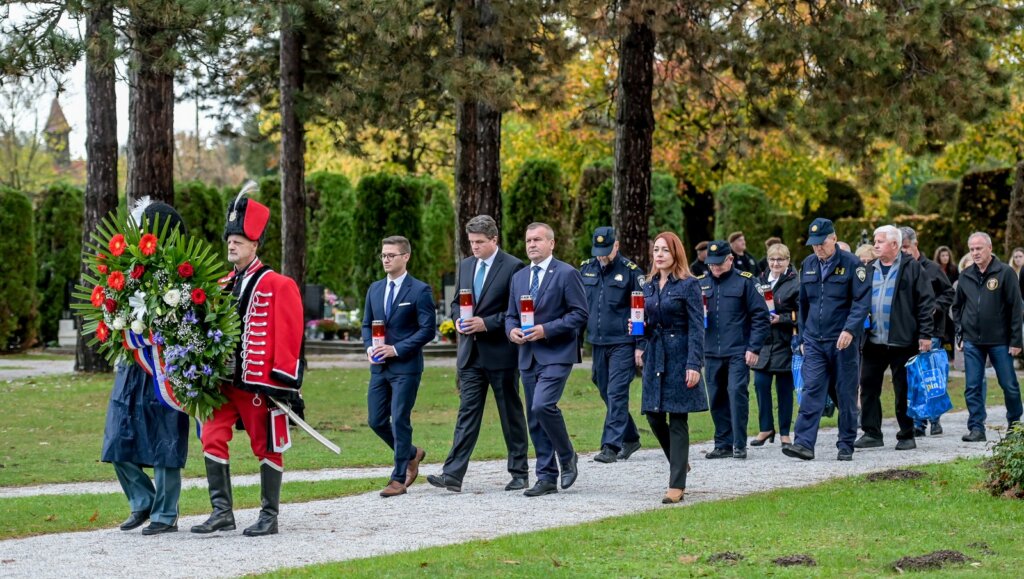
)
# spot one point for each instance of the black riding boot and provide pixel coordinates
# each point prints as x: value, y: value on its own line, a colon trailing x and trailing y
x: 270, y: 496
x: 218, y: 475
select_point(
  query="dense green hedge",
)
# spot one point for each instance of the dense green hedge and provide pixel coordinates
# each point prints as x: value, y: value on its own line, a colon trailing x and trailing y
x: 594, y: 196
x: 536, y: 194
x: 201, y: 208
x: 743, y: 207
x: 330, y: 233
x: 938, y: 196
x: 58, y: 252
x: 439, y: 227
x: 667, y: 210
x: 982, y: 204
x: 269, y: 195
x: 19, y: 318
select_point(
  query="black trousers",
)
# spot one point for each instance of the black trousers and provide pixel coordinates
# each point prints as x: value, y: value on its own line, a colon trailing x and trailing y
x: 673, y: 433
x: 875, y: 360
x: 475, y: 381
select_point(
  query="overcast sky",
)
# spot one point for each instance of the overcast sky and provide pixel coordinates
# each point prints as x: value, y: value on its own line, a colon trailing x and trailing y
x: 73, y: 102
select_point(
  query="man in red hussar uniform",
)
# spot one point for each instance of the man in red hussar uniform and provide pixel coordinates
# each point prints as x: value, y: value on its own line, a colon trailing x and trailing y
x: 266, y: 364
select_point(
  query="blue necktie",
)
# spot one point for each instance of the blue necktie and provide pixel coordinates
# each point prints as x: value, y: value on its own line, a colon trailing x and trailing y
x: 478, y: 281
x: 390, y: 299
x: 535, y: 281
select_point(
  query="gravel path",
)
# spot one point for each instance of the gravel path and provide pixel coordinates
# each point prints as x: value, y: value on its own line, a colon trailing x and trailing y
x: 366, y: 525
x: 17, y: 368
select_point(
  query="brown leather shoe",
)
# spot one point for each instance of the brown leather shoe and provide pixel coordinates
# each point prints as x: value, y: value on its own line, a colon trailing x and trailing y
x: 673, y: 496
x: 393, y: 489
x: 413, y: 470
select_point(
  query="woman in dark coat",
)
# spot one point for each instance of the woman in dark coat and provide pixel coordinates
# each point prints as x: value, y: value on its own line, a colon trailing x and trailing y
x: 672, y: 356
x: 776, y: 358
x: 143, y: 432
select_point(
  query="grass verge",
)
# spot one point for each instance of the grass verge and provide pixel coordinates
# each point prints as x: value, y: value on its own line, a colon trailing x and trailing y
x: 40, y: 515
x: 849, y: 527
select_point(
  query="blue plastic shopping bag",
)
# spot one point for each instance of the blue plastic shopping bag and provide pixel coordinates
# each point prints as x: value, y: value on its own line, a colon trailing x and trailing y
x: 927, y: 376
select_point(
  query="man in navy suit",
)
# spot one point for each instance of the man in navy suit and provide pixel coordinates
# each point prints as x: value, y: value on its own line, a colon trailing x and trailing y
x: 486, y: 360
x: 547, y: 351
x: 406, y: 306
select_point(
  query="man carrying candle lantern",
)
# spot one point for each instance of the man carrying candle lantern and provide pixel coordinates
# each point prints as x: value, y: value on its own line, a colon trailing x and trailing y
x: 486, y: 359
x: 610, y: 280
x: 547, y: 309
x: 404, y: 307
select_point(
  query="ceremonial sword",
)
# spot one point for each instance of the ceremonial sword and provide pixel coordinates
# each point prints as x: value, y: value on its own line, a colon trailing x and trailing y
x: 303, y: 425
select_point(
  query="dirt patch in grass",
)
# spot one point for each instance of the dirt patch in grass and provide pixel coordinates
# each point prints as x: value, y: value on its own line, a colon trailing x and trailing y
x: 794, y: 560
x: 725, y: 557
x: 931, y: 561
x: 895, y: 474
x: 983, y: 547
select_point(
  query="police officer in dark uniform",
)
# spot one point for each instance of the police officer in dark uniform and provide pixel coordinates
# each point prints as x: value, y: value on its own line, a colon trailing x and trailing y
x: 610, y: 280
x: 737, y: 326
x: 699, y: 267
x: 835, y: 296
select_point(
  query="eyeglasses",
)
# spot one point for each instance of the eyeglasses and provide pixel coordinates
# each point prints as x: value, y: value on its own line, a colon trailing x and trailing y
x: 777, y: 259
x: 390, y: 256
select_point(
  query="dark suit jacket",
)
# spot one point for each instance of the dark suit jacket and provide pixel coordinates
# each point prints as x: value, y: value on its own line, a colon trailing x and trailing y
x: 560, y: 305
x: 492, y: 348
x: 410, y: 327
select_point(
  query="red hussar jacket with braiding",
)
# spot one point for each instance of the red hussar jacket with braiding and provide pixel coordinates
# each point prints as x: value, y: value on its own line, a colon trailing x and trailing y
x: 267, y: 359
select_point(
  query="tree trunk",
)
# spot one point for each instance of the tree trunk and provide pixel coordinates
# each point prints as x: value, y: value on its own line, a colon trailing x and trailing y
x: 100, y: 144
x: 150, y: 119
x: 1015, y: 217
x: 477, y: 127
x: 699, y: 218
x: 293, y: 148
x: 634, y: 127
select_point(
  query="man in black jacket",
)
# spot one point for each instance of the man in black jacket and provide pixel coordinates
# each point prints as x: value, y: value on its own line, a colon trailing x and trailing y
x: 987, y: 313
x: 486, y: 359
x: 944, y: 294
x: 902, y: 304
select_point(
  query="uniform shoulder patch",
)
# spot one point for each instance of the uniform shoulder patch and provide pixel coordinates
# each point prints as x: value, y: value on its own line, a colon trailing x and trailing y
x: 702, y: 276
x: 862, y: 273
x: 630, y: 264
x: 586, y: 261
x: 746, y: 274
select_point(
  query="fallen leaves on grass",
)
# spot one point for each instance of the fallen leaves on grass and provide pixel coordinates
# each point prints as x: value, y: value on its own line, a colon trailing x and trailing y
x: 725, y: 557
x: 510, y: 562
x: 983, y: 547
x: 793, y: 560
x: 51, y: 518
x: 931, y: 561
x: 895, y: 474
x: 94, y: 516
x: 688, y: 559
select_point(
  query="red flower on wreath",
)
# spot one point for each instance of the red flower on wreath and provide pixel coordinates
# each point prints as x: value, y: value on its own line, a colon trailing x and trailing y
x: 97, y: 296
x: 117, y: 245
x: 102, y: 331
x: 185, y: 270
x: 137, y: 271
x: 115, y: 281
x: 198, y: 296
x: 102, y: 268
x: 147, y: 244
x: 110, y: 305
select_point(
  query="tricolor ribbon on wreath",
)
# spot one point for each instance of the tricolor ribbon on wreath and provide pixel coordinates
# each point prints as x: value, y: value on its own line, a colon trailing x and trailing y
x: 148, y: 356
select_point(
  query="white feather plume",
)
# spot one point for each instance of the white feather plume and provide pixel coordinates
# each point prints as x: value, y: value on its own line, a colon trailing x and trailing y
x: 139, y: 208
x: 247, y: 188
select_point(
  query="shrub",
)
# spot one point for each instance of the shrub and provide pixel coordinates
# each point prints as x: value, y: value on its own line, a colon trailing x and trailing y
x: 386, y: 204
x: 19, y: 318
x: 982, y: 204
x: 932, y: 230
x: 667, y: 213
x: 594, y: 196
x: 58, y: 253
x: 331, y: 236
x: 938, y: 196
x: 323, y: 187
x: 855, y: 231
x: 742, y: 207
x: 841, y: 200
x: 1006, y: 467
x: 270, y: 195
x: 537, y: 194
x: 898, y: 208
x: 200, y: 207
x: 439, y: 227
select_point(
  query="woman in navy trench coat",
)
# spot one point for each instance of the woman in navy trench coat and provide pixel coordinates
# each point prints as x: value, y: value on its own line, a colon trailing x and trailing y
x: 672, y: 356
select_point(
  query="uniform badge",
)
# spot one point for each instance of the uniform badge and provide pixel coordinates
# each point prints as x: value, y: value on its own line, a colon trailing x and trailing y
x: 618, y: 277
x: 841, y: 271
x: 713, y: 248
x: 862, y: 274
x: 814, y: 228
x: 641, y: 280
x: 600, y: 239
x: 992, y: 284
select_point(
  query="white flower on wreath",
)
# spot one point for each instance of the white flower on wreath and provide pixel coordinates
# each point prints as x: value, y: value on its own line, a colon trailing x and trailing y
x: 138, y: 304
x: 138, y: 326
x: 118, y: 324
x: 172, y: 298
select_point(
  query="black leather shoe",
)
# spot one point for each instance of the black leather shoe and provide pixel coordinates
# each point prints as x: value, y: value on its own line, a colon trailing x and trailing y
x: 517, y: 483
x: 570, y: 471
x: 919, y: 432
x: 628, y: 448
x: 974, y: 436
x: 797, y: 451
x: 758, y: 441
x: 443, y: 481
x: 135, y: 520
x: 844, y: 455
x: 739, y: 453
x: 607, y: 455
x: 543, y: 487
x: 719, y: 453
x: 160, y: 528
x: 868, y: 441
x: 936, y: 428
x: 906, y: 444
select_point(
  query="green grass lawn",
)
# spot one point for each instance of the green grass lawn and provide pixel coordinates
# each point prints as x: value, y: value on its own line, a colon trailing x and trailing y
x: 60, y: 514
x: 850, y: 527
x: 53, y: 426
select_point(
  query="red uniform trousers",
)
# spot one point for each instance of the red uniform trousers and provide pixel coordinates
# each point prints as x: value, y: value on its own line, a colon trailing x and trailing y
x: 217, y: 431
